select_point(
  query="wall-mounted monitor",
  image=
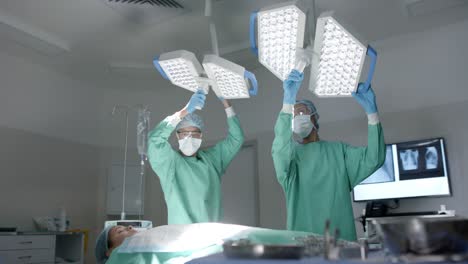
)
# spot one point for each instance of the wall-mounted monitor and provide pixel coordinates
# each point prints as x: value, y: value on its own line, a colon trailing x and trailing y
x: 411, y: 169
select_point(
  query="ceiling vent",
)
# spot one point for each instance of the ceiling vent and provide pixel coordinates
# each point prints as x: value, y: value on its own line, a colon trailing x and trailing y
x: 148, y: 12
x: 161, y: 3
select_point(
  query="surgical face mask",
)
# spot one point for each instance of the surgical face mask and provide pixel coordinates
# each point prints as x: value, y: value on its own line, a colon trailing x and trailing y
x: 189, y: 145
x: 302, y: 126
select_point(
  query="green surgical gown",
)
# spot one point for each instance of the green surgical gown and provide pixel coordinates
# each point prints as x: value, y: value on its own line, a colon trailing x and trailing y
x: 317, y: 178
x: 192, y: 185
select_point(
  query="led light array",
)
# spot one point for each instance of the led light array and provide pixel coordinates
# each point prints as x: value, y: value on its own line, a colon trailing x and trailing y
x: 341, y: 57
x: 280, y: 33
x: 181, y: 73
x: 230, y: 79
x: 230, y: 85
x: 227, y: 79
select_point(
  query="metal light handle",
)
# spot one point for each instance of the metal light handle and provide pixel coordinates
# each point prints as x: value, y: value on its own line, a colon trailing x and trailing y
x: 253, y: 43
x: 303, y: 58
x: 251, y: 77
x: 373, y: 56
x: 300, y: 65
x: 159, y: 68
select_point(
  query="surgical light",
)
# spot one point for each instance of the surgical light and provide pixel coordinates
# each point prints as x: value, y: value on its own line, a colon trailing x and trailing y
x: 339, y: 59
x: 182, y: 68
x: 281, y: 31
x: 230, y: 81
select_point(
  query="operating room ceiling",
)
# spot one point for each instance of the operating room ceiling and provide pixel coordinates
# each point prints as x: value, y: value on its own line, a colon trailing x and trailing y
x: 92, y: 37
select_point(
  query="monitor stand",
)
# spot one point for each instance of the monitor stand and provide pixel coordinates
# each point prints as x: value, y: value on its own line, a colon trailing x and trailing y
x: 410, y: 214
x: 376, y: 209
x: 379, y: 209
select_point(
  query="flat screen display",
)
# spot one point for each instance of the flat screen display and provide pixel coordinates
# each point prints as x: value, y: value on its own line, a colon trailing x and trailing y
x: 411, y: 169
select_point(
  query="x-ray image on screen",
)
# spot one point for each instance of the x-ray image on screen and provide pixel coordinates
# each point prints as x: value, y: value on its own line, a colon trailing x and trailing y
x: 409, y: 159
x: 385, y: 173
x: 420, y: 160
x: 412, y: 169
x: 431, y: 158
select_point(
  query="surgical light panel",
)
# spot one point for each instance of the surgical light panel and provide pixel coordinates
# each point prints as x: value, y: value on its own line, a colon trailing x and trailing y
x: 230, y: 80
x: 181, y: 68
x: 280, y: 34
x: 340, y: 56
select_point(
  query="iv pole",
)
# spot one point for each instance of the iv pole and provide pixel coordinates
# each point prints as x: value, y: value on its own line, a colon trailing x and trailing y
x: 142, y: 130
x: 124, y: 109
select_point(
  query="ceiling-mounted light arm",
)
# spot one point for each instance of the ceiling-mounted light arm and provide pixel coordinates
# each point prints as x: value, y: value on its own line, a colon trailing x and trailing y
x: 214, y: 38
x: 208, y: 8
x: 373, y: 57
x: 253, y: 42
x: 159, y: 68
x: 213, y: 34
x: 254, y: 85
x: 310, y: 24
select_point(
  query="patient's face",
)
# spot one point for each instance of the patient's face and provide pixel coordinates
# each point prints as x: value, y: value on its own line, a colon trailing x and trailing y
x: 118, y: 234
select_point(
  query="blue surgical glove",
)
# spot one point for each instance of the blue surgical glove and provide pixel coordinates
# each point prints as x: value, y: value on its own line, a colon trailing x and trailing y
x: 197, y: 101
x: 291, y: 86
x: 366, y: 98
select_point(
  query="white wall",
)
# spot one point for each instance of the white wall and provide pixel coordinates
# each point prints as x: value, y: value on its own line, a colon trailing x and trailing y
x: 155, y: 207
x: 423, y: 69
x: 40, y: 100
x: 46, y: 122
x: 39, y: 174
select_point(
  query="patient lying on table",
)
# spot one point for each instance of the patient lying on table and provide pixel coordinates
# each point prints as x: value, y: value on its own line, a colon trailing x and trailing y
x: 180, y: 243
x: 111, y: 238
x: 169, y: 238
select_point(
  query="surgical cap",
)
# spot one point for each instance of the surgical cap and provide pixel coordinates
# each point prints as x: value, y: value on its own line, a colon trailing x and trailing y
x: 311, y: 107
x: 191, y: 120
x: 102, y: 245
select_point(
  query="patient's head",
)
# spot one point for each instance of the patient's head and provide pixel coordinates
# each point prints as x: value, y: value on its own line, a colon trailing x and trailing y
x: 109, y: 239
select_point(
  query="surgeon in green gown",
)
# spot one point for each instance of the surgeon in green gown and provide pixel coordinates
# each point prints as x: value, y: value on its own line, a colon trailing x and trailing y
x: 191, y: 178
x: 317, y: 176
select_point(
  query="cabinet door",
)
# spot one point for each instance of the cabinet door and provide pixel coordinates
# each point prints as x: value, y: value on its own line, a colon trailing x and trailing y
x: 28, y: 256
x: 27, y: 242
x: 70, y: 247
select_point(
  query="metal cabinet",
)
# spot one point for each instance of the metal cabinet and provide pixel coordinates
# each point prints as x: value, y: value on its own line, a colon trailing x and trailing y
x: 41, y: 248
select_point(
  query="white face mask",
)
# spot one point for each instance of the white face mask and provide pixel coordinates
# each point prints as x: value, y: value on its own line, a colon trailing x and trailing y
x: 189, y: 145
x: 302, y: 126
